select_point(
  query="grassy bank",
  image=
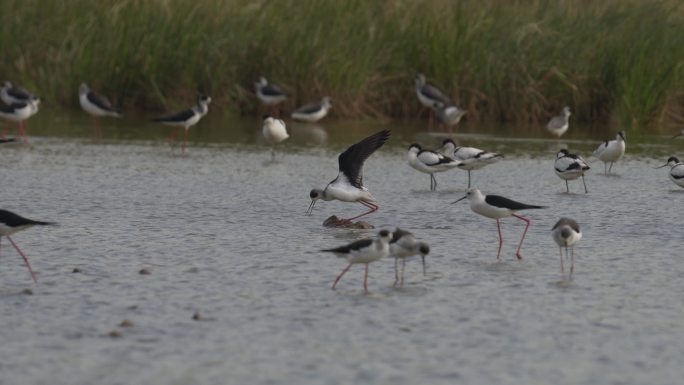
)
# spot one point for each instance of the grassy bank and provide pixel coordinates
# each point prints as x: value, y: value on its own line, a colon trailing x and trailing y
x: 503, y: 61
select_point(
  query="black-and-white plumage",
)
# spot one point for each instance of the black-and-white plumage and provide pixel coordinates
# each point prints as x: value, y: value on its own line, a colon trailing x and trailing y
x: 269, y: 93
x: 348, y: 186
x: 570, y: 167
x: 96, y: 104
x: 611, y: 151
x: 6, y: 140
x: 566, y: 233
x: 19, y: 112
x: 497, y: 207
x: 470, y: 158
x: 363, y: 251
x: 402, y: 246
x: 313, y: 112
x: 558, y: 125
x: 428, y: 95
x: 429, y: 162
x: 676, y: 170
x: 187, y: 118
x: 11, y: 223
x: 10, y: 93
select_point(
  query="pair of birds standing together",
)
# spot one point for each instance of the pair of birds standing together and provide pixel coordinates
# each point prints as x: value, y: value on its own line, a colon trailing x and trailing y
x: 271, y: 95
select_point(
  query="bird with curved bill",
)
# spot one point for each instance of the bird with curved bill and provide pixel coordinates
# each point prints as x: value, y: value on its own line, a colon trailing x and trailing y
x: 676, y: 170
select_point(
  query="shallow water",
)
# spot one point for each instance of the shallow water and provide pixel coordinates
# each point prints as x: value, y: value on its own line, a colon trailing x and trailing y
x: 223, y: 232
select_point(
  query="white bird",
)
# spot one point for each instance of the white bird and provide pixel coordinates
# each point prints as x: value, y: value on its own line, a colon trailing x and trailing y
x: 558, y: 125
x: 676, y: 170
x: 497, y: 207
x: 363, y: 251
x: 611, y: 151
x: 19, y: 113
x: 313, y: 112
x: 566, y: 233
x: 570, y: 167
x: 402, y: 246
x: 430, y: 162
x: 429, y: 95
x: 448, y: 115
x: 471, y: 158
x: 270, y: 94
x: 10, y: 223
x: 10, y: 94
x: 348, y: 186
x: 187, y: 118
x: 274, y: 132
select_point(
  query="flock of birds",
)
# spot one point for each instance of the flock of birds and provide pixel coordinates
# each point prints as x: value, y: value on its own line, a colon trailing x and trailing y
x: 348, y: 185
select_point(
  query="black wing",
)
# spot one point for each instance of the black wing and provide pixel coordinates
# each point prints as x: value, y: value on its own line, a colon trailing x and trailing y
x: 357, y: 245
x: 499, y: 201
x: 12, y: 107
x: 351, y: 161
x: 19, y: 93
x: 176, y: 118
x: 435, y: 94
x: 567, y: 221
x: 101, y: 101
x: 7, y: 140
x: 308, y: 108
x: 13, y: 220
x: 398, y: 233
x: 272, y: 90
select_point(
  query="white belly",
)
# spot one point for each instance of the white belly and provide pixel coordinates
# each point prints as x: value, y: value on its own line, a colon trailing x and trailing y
x: 613, y: 152
x: 490, y: 211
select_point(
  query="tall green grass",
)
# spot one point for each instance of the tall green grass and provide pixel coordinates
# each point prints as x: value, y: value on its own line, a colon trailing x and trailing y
x: 512, y: 61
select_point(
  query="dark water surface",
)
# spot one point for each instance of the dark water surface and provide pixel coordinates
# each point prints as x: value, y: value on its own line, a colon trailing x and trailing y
x: 222, y: 231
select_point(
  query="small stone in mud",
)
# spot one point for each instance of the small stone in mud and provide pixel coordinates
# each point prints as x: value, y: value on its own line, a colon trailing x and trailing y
x: 76, y: 270
x: 145, y: 272
x: 334, y: 221
x: 114, y: 334
x: 27, y: 291
x: 126, y: 323
x: 197, y: 316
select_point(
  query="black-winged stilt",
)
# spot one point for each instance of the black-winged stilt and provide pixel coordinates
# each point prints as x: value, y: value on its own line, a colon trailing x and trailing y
x: 558, y: 125
x: 187, y: 118
x: 19, y: 112
x: 97, y: 106
x: 363, y: 251
x: 402, y: 246
x: 430, y: 162
x: 566, y: 233
x: 570, y: 167
x: 10, y: 93
x: 274, y: 132
x: 429, y: 95
x: 313, y: 112
x: 10, y: 223
x: 497, y: 207
x: 676, y: 170
x: 270, y: 94
x: 348, y: 186
x: 611, y: 151
x: 470, y: 158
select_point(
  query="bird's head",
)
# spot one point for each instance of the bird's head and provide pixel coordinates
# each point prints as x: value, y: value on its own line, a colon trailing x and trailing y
x: 671, y: 161
x: 420, y: 80
x: 471, y: 193
x: 566, y: 111
x: 315, y: 195
x: 563, y: 152
x: 385, y: 235
x: 621, y: 135
x: 415, y: 148
x: 83, y: 89
x: 203, y: 99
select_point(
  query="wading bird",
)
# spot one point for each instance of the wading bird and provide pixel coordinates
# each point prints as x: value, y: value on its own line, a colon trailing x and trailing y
x: 186, y: 118
x: 611, y: 151
x: 676, y: 170
x: 429, y: 162
x: 97, y: 106
x: 471, y: 158
x: 566, y: 233
x: 402, y: 246
x: 10, y: 223
x: 570, y: 167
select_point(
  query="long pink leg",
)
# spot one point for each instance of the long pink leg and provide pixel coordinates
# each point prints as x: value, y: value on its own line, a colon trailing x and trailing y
x: 561, y: 258
x: 25, y: 259
x: 572, y: 259
x: 185, y: 140
x: 498, y: 227
x: 517, y: 253
x: 22, y: 131
x: 373, y: 208
x: 340, y: 276
x: 365, y: 280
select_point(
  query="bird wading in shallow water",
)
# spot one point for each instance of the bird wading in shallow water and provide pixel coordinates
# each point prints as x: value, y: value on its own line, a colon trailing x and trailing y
x: 402, y: 246
x: 676, y: 170
x: 570, y: 167
x: 497, y: 207
x: 566, y: 233
x: 363, y: 251
x: 97, y: 106
x: 348, y: 186
x: 558, y: 125
x: 430, y: 162
x: 10, y: 223
x: 470, y: 158
x: 274, y: 132
x: 186, y: 118
x: 611, y: 151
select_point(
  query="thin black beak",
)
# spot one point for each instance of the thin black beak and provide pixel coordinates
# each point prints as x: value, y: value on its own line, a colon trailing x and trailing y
x: 459, y: 200
x: 661, y: 166
x: 311, y: 206
x: 423, y: 258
